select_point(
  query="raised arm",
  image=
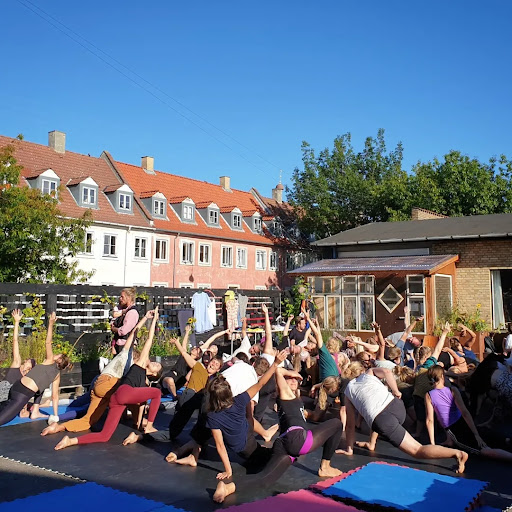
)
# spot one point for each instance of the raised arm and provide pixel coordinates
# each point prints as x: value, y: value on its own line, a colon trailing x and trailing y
x: 464, y: 329
x: 381, y: 342
x: 144, y: 354
x: 255, y: 388
x: 133, y: 333
x: 286, y: 329
x: 285, y: 393
x: 211, y: 339
x: 49, y: 337
x: 410, y: 328
x: 315, y: 329
x: 367, y: 346
x: 16, y: 358
x: 244, y: 327
x: 267, y: 349
x: 456, y: 358
x: 183, y: 352
x: 439, y: 345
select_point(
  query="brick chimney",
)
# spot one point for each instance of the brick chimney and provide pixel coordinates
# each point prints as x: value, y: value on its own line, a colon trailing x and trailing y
x: 277, y: 193
x: 225, y: 183
x: 148, y: 163
x: 57, y: 141
x: 422, y: 214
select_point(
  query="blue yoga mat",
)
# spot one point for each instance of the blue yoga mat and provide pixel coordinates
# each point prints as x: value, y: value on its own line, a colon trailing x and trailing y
x: 86, y: 498
x: 403, y: 488
x: 64, y: 412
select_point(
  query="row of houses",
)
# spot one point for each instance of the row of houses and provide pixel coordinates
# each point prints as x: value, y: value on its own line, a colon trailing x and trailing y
x: 153, y: 228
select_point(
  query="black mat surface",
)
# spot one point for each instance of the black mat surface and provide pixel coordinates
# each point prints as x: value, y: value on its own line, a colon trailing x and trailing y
x: 142, y: 470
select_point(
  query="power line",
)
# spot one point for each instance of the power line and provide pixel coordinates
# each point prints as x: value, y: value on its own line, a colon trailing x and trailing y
x: 48, y: 19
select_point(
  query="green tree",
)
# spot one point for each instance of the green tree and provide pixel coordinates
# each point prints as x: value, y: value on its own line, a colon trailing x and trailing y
x: 38, y: 243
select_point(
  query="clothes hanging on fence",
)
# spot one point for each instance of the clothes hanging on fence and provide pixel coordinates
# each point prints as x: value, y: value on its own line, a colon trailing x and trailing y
x: 243, y: 300
x: 183, y: 316
x: 200, y: 303
x: 231, y: 305
x: 212, y: 311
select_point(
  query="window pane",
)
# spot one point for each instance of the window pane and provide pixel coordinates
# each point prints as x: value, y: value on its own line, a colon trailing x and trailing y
x: 319, y: 303
x: 365, y: 284
x: 333, y: 312
x: 349, y: 313
x: 443, y: 292
x: 415, y: 284
x: 417, y: 306
x: 349, y: 284
x: 390, y: 298
x: 366, y: 313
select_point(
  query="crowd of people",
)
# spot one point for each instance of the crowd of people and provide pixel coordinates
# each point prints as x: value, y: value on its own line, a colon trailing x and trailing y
x: 402, y: 389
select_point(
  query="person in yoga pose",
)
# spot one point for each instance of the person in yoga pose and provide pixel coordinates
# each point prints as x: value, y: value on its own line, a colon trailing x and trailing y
x: 35, y: 382
x: 104, y: 387
x: 296, y: 439
x: 133, y: 389
x: 384, y: 412
x: 451, y: 413
x: 18, y: 367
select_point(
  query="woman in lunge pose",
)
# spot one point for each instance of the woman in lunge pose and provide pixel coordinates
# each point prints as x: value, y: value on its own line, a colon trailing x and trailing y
x: 296, y: 439
x: 133, y: 390
x: 35, y: 382
x: 453, y: 416
x: 384, y: 413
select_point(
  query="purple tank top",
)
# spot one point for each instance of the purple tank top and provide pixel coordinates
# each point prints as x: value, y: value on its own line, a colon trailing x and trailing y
x: 444, y: 405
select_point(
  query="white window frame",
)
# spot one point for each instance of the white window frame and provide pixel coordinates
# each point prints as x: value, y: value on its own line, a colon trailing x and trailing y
x: 191, y: 251
x: 257, y: 224
x: 158, y: 207
x: 142, y: 246
x: 53, y: 186
x: 224, y: 264
x: 88, y: 191
x: 187, y: 212
x: 423, y: 297
x: 159, y: 243
x: 263, y: 259
x: 384, y: 305
x: 88, y: 234
x: 215, y: 213
x: 204, y: 263
x: 125, y: 202
x: 237, y: 221
x: 260, y: 287
x: 109, y: 254
x: 204, y: 286
x: 234, y: 286
x: 160, y: 285
x: 276, y: 262
x: 186, y: 285
x: 245, y: 251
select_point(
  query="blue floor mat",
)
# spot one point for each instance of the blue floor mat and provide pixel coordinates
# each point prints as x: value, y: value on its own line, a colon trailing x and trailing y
x: 403, y: 488
x: 84, y: 498
x: 45, y: 410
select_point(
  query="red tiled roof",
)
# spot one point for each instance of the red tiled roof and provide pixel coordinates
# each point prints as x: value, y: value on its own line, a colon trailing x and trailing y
x: 201, y: 193
x: 75, y: 181
x: 149, y: 193
x: 203, y: 204
x: 69, y: 166
x: 112, y: 188
x: 179, y: 199
x: 249, y: 213
x: 35, y: 174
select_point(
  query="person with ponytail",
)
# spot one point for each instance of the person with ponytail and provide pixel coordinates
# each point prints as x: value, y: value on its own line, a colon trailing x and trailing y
x: 451, y: 413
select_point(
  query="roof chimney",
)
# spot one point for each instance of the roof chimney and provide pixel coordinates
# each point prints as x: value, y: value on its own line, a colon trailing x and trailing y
x: 57, y: 141
x: 148, y: 163
x: 277, y: 193
x: 225, y: 183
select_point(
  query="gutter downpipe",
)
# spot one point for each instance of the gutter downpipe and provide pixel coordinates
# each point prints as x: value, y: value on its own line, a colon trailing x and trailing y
x: 174, y: 262
x: 126, y: 254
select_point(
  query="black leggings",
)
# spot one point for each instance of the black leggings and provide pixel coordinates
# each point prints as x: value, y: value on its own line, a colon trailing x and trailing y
x: 189, y: 404
x: 289, y: 446
x: 19, y: 395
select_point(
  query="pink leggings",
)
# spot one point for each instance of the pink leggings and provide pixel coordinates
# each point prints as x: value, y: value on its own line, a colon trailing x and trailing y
x: 125, y: 395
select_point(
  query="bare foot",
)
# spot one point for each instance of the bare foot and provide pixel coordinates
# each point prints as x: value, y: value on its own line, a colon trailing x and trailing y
x: 270, y: 432
x: 190, y: 460
x: 65, y: 442
x: 53, y: 429
x: 328, y: 471
x: 24, y: 413
x: 223, y: 491
x: 366, y: 445
x: 461, y: 457
x: 150, y: 430
x: 171, y: 457
x: 37, y: 415
x: 132, y: 438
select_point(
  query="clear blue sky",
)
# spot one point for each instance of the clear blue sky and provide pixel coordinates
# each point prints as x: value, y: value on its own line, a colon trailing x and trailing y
x: 435, y: 75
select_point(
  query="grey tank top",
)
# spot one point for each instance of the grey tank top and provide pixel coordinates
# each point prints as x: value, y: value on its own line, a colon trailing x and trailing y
x: 43, y: 375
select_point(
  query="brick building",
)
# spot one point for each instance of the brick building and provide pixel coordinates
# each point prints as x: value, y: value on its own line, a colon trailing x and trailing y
x: 430, y: 264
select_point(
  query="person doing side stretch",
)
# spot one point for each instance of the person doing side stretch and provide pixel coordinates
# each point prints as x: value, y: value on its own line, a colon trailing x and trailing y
x: 103, y: 389
x: 133, y: 390
x: 35, y: 382
x: 384, y: 413
x: 295, y: 440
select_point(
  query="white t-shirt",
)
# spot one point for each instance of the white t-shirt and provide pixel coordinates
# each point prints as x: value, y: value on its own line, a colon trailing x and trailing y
x: 385, y: 363
x: 369, y: 396
x: 241, y: 376
x: 119, y: 365
x: 507, y: 342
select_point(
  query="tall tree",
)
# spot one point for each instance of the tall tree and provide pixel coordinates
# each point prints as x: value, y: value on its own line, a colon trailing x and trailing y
x: 38, y: 244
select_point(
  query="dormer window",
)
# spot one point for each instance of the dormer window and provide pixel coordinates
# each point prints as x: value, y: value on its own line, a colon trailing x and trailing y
x: 49, y: 186
x: 89, y: 196
x: 237, y: 221
x: 158, y: 208
x: 188, y: 212
x: 213, y: 217
x: 257, y: 224
x: 125, y: 202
